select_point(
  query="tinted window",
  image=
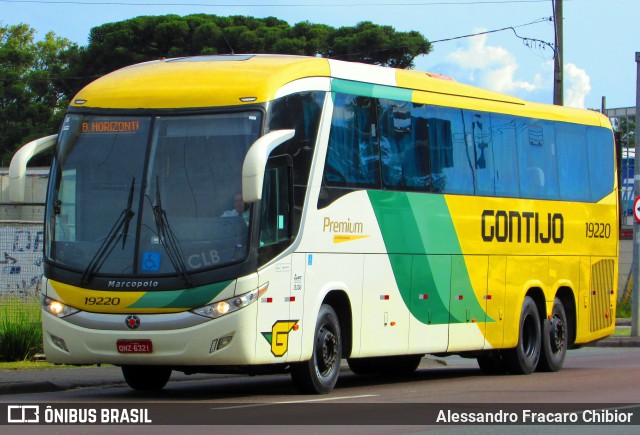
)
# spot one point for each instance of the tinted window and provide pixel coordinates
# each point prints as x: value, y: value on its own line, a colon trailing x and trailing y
x: 600, y: 151
x: 451, y: 150
x: 505, y: 155
x: 537, y: 159
x: 458, y: 151
x: 353, y: 156
x: 573, y: 166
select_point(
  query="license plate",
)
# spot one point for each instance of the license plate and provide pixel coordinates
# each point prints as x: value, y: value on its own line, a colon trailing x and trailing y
x: 134, y: 346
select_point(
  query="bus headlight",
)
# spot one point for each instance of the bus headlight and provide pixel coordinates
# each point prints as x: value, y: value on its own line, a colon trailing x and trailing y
x: 56, y: 308
x: 220, y: 308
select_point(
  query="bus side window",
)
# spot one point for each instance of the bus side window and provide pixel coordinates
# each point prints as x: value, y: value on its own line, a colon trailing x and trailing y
x: 276, y: 208
x: 353, y: 157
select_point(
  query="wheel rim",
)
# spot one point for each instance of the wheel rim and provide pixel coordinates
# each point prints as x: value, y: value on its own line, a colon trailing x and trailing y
x: 557, y: 334
x: 326, y: 351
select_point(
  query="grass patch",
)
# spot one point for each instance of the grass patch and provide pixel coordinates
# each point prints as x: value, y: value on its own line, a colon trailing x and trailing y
x: 623, y: 310
x: 20, y: 329
x: 622, y: 332
x: 27, y: 365
x: 39, y: 365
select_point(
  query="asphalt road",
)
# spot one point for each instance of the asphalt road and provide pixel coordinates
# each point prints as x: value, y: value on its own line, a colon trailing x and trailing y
x: 593, y: 378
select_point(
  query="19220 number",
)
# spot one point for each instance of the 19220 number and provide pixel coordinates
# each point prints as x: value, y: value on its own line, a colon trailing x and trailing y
x: 101, y: 301
x: 597, y: 230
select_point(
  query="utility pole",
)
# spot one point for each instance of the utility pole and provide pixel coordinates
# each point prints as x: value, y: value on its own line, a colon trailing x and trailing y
x: 558, y: 59
x: 635, y: 295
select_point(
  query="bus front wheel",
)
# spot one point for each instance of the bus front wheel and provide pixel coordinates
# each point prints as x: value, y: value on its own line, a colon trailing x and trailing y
x: 320, y: 374
x: 146, y: 378
x: 524, y: 358
x: 554, y: 339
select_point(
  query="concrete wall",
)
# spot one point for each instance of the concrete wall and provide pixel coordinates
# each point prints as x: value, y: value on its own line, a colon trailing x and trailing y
x: 35, y: 192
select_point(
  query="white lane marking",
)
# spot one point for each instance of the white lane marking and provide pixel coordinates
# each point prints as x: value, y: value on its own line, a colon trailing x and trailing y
x: 289, y: 402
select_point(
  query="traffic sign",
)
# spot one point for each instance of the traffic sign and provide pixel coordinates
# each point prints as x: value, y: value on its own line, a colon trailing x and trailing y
x: 636, y: 209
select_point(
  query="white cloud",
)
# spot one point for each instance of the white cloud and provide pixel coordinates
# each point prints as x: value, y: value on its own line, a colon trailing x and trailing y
x: 577, y: 85
x: 490, y: 67
x: 496, y: 68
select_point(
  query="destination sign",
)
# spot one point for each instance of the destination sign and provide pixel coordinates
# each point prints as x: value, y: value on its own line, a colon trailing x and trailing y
x: 110, y: 126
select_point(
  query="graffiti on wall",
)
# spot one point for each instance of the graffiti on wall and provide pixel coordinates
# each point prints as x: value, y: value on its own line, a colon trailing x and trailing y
x: 21, y: 258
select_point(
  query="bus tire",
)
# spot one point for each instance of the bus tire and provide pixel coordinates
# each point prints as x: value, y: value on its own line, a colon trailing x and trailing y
x: 146, y: 378
x: 491, y: 363
x: 523, y: 359
x: 554, y: 339
x: 320, y: 374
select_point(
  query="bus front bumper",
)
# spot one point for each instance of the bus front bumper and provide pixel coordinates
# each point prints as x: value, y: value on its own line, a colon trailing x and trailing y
x: 228, y: 340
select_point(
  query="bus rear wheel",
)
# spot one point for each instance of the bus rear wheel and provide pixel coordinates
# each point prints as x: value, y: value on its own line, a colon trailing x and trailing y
x: 320, y: 374
x: 554, y: 339
x: 146, y: 378
x: 523, y: 359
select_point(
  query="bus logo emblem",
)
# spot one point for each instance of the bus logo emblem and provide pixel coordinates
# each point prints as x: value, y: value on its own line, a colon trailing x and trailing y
x: 132, y: 321
x: 278, y: 338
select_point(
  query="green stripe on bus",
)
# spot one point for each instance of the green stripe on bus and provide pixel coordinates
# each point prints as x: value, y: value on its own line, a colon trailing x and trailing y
x: 370, y: 90
x: 426, y: 257
x: 189, y: 298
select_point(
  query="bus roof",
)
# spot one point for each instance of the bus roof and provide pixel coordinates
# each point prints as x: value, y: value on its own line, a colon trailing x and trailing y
x: 228, y: 80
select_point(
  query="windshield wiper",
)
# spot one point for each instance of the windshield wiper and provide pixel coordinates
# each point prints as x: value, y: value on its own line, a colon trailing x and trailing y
x: 169, y: 240
x: 125, y: 231
x: 119, y: 230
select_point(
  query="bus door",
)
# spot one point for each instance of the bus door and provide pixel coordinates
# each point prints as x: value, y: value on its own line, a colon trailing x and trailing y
x: 280, y: 307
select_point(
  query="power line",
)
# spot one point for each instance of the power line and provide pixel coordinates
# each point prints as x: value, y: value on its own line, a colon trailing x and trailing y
x: 529, y: 42
x: 539, y: 20
x: 526, y: 40
x: 272, y: 5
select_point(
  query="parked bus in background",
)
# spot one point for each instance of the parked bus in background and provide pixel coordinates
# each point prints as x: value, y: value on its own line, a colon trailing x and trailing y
x: 388, y: 214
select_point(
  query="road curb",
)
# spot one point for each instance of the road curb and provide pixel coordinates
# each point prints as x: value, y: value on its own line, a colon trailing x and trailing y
x: 617, y: 341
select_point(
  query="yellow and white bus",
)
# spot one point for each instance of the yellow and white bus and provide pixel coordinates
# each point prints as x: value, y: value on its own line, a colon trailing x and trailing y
x: 267, y: 213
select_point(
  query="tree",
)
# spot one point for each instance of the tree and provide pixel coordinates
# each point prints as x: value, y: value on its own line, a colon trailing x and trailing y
x: 32, y: 96
x: 115, y: 45
x: 625, y: 126
x: 378, y: 45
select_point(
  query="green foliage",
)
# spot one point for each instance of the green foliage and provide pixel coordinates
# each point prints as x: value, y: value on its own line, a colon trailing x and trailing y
x: 378, y: 45
x: 623, y: 309
x: 625, y: 126
x: 115, y: 45
x: 34, y: 87
x: 20, y: 330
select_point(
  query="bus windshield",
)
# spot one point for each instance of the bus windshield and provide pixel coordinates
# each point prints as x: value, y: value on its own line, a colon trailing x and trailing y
x: 134, y: 196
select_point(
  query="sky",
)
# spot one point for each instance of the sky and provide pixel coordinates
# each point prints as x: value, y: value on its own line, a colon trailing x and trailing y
x: 601, y: 37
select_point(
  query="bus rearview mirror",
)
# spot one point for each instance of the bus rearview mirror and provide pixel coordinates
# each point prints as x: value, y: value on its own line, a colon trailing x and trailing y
x: 256, y: 161
x: 18, y: 166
